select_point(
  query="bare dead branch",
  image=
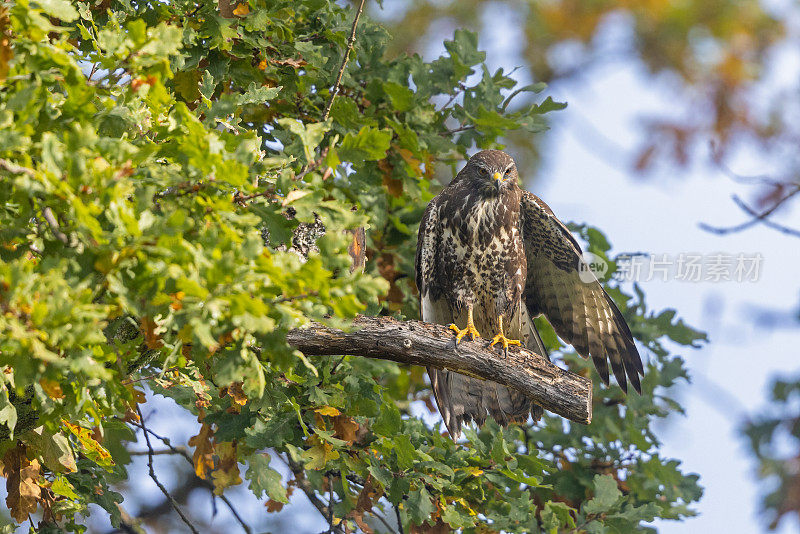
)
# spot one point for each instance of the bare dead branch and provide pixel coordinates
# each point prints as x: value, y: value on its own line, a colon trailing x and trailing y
x: 418, y: 343
x: 48, y: 215
x: 757, y: 218
x: 175, y: 450
x: 182, y: 451
x: 303, y: 483
x: 13, y: 168
x: 350, y: 43
x: 155, y: 478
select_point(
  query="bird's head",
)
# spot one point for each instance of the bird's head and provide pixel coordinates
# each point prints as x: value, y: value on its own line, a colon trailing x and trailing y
x: 493, y: 170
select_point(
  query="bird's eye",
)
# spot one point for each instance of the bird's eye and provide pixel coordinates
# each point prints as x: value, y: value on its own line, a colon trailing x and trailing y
x: 508, y: 170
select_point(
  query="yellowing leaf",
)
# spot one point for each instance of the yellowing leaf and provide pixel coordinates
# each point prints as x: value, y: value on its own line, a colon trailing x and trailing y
x: 294, y: 195
x: 241, y: 10
x: 328, y: 410
x: 237, y: 394
x: 319, y: 455
x: 96, y: 452
x: 203, y: 456
x: 227, y: 472
x: 52, y: 388
x: 474, y: 471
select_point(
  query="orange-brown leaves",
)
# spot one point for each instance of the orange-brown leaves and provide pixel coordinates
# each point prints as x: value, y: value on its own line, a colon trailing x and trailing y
x: 22, y: 483
x: 393, y: 185
x: 5, y: 43
x: 346, y: 429
x: 139, y: 82
x: 235, y: 392
x: 241, y: 10
x: 203, y: 456
x: 52, y: 388
x: 386, y: 267
x: 151, y: 338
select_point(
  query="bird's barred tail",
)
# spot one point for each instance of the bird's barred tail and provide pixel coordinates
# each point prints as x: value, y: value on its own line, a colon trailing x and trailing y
x: 462, y: 399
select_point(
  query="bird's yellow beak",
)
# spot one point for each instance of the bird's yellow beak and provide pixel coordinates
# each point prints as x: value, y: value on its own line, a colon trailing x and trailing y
x: 497, y: 176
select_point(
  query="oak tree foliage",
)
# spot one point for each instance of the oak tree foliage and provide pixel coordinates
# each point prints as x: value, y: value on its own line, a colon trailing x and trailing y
x: 161, y: 170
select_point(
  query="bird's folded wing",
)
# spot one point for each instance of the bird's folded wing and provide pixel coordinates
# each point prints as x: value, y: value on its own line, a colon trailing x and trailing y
x: 560, y: 286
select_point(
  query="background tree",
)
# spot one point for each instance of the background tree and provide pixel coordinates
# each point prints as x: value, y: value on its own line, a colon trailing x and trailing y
x: 180, y: 188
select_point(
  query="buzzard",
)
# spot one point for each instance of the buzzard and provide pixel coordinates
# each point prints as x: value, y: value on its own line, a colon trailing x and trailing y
x: 490, y: 257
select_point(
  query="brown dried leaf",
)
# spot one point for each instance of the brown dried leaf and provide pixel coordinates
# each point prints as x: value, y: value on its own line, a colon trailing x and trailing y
x: 295, y: 63
x: 345, y: 428
x: 22, y: 483
x: 151, y: 339
x: 273, y: 505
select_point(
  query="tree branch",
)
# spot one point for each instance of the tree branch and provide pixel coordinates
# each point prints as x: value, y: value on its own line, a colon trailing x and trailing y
x: 350, y: 42
x: 182, y: 451
x: 762, y: 217
x: 414, y: 342
x: 155, y: 478
x: 302, y: 482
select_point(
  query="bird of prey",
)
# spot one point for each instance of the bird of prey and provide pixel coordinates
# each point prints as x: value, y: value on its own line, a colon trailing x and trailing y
x: 490, y: 258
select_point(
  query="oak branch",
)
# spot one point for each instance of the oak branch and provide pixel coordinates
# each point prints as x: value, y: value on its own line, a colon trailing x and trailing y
x: 414, y: 342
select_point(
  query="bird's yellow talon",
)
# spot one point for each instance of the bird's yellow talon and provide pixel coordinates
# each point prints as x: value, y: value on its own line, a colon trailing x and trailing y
x: 461, y: 332
x: 504, y: 341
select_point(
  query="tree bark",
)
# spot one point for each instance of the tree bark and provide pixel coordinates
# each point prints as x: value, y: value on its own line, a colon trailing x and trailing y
x: 418, y: 343
x: 225, y: 8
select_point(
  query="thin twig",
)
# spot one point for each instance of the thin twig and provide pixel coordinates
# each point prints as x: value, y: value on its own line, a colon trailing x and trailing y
x: 155, y: 375
x: 757, y: 217
x: 330, y: 506
x: 53, y: 223
x: 766, y: 222
x: 399, y: 521
x: 183, y: 452
x: 383, y: 520
x: 12, y: 167
x: 313, y: 165
x: 459, y: 129
x: 461, y: 89
x: 242, y: 200
x: 305, y: 485
x: 350, y: 43
x: 180, y: 451
x: 155, y: 478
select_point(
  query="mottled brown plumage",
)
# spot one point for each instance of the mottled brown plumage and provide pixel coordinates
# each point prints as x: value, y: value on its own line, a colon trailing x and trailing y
x: 487, y: 245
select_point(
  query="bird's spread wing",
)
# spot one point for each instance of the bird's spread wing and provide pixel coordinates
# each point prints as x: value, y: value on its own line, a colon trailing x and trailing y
x: 577, y: 306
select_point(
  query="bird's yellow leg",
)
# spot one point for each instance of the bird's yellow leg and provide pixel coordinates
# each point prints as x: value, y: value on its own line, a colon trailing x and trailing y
x: 502, y: 339
x: 470, y: 329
